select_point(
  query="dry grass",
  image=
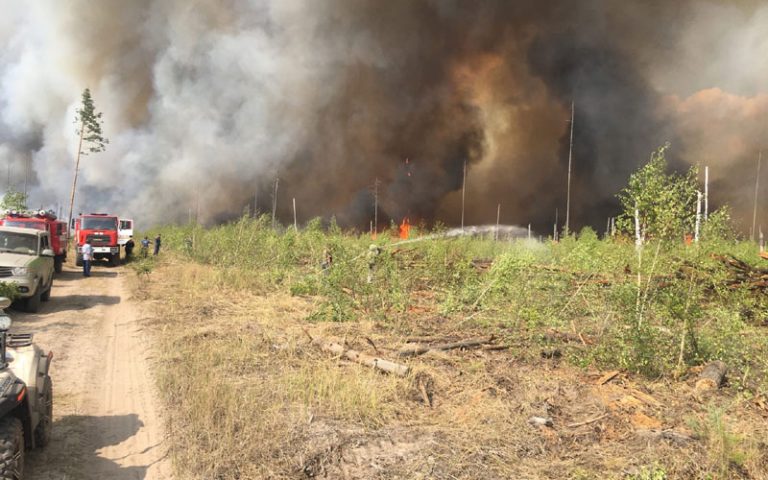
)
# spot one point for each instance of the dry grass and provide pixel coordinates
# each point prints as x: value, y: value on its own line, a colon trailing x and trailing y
x: 249, y: 397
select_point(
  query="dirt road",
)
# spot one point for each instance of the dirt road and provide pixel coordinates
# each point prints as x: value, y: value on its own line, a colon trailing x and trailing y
x: 106, y: 424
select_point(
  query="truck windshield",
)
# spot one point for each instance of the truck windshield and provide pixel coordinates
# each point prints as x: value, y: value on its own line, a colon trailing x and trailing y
x: 98, y: 223
x: 23, y: 224
x: 18, y: 243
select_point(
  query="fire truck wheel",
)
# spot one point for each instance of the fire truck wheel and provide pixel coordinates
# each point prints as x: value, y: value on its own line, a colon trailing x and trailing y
x: 114, y: 259
x: 79, y: 260
x: 11, y: 449
x: 58, y: 264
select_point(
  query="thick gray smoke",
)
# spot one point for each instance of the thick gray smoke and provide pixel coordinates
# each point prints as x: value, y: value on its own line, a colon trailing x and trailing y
x: 207, y: 102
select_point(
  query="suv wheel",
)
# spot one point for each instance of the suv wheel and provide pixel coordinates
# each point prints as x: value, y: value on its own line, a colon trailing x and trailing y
x: 33, y: 302
x: 46, y: 295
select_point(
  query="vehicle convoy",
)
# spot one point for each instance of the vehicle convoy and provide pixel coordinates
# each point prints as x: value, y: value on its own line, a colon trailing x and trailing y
x: 101, y: 231
x: 42, y: 220
x: 26, y: 260
x: 26, y: 397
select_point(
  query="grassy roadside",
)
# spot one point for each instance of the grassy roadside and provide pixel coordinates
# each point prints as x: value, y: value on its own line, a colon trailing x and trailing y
x: 250, y: 397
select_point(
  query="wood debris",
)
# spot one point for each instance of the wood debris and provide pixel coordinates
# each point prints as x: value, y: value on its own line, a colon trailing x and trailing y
x: 711, y: 378
x: 377, y: 363
x: 415, y: 350
x: 743, y: 274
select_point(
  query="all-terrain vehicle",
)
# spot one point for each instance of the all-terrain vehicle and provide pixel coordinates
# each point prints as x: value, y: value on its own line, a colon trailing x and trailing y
x: 26, y: 397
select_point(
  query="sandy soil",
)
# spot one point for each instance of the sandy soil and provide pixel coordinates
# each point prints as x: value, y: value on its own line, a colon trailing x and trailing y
x: 106, y: 423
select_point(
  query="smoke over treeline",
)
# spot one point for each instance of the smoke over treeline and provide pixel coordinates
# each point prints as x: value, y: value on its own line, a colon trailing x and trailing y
x: 207, y: 102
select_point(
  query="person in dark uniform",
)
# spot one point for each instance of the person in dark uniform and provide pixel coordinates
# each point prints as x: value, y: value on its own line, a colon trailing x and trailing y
x: 129, y: 245
x: 157, y: 244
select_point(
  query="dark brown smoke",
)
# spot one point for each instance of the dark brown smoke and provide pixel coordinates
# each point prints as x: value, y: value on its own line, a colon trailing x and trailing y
x: 208, y: 102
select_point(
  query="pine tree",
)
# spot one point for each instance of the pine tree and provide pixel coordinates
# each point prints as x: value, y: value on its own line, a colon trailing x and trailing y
x: 92, y: 140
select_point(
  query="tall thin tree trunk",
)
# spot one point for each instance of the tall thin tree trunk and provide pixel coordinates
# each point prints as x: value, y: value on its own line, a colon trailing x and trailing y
x: 77, y: 169
x: 463, y: 193
x: 753, y: 232
x: 274, y: 202
x: 706, y: 193
x: 295, y: 221
x: 568, y: 192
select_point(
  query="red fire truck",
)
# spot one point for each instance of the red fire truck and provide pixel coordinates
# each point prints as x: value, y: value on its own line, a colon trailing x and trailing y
x: 46, y: 221
x: 101, y: 231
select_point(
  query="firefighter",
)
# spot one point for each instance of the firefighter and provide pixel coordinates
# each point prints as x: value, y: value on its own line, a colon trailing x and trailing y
x: 129, y: 248
x: 157, y: 244
x: 327, y: 261
x: 372, y: 256
x: 144, y: 247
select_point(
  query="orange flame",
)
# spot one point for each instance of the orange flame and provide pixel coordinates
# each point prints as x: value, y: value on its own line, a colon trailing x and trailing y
x: 405, y: 229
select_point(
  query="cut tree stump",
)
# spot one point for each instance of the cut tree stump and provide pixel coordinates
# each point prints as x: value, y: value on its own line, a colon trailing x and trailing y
x: 415, y: 350
x: 711, y: 378
x: 377, y: 363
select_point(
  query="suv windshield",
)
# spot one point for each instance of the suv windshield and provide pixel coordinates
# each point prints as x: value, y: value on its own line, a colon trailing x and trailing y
x: 18, y: 243
x: 98, y: 223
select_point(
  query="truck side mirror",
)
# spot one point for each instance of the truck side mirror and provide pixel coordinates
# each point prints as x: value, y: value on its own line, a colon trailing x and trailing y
x: 48, y: 253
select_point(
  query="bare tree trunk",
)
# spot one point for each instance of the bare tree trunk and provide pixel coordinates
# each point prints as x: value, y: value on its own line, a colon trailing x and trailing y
x: 698, y: 218
x: 77, y: 168
x: 295, y: 221
x: 568, y: 194
x: 706, y: 193
x: 463, y: 193
x: 274, y: 201
x: 757, y: 189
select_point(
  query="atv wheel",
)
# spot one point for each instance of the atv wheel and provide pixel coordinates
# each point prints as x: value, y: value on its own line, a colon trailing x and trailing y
x: 58, y: 264
x: 11, y: 449
x: 78, y: 260
x: 44, y: 427
x: 33, y: 303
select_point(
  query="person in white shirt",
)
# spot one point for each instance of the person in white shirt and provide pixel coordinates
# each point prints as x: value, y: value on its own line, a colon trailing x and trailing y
x: 87, y: 251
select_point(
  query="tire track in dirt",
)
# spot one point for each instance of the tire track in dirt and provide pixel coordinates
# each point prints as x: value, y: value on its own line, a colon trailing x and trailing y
x: 106, y: 423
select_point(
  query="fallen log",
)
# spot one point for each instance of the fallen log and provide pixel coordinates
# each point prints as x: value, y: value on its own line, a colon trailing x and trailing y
x: 377, y: 363
x: 415, y: 350
x: 607, y: 377
x: 711, y: 378
x: 428, y: 339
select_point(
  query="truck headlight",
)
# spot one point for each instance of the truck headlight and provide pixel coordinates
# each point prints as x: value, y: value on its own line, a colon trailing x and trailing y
x: 5, y: 322
x: 19, y: 271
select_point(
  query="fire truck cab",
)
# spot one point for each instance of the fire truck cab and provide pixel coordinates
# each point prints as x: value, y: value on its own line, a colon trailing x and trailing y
x: 101, y: 231
x: 126, y: 231
x: 47, y: 222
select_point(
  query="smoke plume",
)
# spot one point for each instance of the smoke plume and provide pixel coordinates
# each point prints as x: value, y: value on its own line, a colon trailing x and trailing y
x: 206, y: 103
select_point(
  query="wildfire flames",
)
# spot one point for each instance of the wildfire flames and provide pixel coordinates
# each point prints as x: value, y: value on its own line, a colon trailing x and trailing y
x: 405, y: 229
